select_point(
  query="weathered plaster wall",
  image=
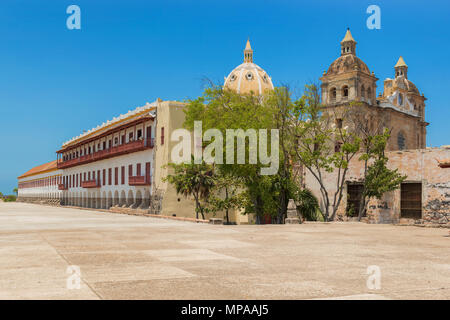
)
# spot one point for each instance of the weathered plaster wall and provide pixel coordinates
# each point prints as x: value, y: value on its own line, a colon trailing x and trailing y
x: 419, y: 166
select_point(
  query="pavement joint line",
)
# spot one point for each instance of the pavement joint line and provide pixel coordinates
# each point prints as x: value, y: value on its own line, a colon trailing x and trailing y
x: 68, y: 264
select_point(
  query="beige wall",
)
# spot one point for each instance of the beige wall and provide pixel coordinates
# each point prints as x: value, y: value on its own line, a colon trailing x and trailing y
x: 170, y: 116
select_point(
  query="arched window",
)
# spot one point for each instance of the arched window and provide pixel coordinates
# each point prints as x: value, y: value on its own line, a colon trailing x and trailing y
x: 369, y: 93
x: 333, y: 94
x: 400, y: 99
x: 401, y: 141
x: 363, y: 92
x: 345, y: 92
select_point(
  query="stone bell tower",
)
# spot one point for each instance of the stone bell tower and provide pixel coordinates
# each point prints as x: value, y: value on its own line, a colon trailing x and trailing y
x: 348, y: 78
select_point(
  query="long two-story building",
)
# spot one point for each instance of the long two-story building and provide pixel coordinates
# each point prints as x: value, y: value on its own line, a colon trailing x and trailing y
x: 118, y: 164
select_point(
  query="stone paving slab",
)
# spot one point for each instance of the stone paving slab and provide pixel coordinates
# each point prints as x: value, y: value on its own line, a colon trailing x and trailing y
x: 138, y: 257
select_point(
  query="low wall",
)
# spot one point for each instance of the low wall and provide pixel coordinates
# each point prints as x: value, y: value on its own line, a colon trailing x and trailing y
x: 420, y: 166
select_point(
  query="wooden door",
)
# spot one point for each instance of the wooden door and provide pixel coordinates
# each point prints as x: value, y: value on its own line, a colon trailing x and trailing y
x: 354, y: 191
x: 411, y: 200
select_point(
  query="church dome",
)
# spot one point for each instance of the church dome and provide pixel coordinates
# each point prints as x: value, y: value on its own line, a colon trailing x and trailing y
x: 248, y: 76
x: 347, y: 63
x: 401, y: 77
x: 403, y: 83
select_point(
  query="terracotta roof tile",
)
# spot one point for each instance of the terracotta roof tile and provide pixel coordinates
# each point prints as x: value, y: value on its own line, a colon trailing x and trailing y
x: 39, y: 169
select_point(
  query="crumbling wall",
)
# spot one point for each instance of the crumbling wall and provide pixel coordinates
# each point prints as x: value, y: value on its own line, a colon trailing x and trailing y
x: 420, y: 166
x: 436, y: 208
x: 384, y: 210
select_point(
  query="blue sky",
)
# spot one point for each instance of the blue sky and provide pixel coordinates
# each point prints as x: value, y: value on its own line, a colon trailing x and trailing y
x: 56, y: 82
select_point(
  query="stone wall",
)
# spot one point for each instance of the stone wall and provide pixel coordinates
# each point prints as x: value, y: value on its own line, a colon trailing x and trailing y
x: 437, y: 206
x: 420, y: 166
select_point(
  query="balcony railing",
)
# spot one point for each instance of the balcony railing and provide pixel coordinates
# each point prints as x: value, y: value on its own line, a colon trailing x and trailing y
x: 62, y: 186
x: 129, y: 147
x: 90, y: 184
x: 138, y: 181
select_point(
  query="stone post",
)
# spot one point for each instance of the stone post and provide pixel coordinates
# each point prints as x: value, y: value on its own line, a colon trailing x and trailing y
x: 292, y: 216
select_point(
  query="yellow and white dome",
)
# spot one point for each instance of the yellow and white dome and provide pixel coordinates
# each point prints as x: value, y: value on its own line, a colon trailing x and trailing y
x: 248, y: 77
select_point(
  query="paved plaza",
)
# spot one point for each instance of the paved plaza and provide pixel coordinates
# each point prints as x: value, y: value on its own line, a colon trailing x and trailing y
x: 133, y: 257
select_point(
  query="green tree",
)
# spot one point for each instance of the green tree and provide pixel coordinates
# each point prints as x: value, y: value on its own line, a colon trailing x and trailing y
x: 322, y: 148
x: 378, y: 178
x: 374, y: 135
x: 223, y: 110
x: 284, y: 185
x: 227, y: 194
x: 195, y: 180
x: 16, y: 191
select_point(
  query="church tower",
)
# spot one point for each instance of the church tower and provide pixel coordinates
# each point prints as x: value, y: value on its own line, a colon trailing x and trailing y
x: 401, y: 97
x: 348, y: 78
x: 400, y: 108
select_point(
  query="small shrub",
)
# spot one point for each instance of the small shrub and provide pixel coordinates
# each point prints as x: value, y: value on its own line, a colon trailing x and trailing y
x: 10, y: 198
x: 308, y: 205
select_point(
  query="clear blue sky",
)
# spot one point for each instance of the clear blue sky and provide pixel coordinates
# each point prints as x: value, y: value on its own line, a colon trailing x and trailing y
x: 55, y: 82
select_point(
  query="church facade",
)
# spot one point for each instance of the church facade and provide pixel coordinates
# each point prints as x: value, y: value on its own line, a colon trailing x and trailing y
x: 400, y: 107
x: 120, y: 165
x: 424, y: 197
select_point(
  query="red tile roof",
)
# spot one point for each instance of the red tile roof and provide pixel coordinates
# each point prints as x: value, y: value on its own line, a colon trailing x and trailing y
x: 50, y: 166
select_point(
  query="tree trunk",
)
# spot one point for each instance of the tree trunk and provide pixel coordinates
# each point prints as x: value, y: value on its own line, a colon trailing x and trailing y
x: 201, y: 211
x: 362, y: 202
x: 362, y: 206
x: 258, y: 209
x: 226, y: 211
x: 282, y: 209
x: 197, y: 206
